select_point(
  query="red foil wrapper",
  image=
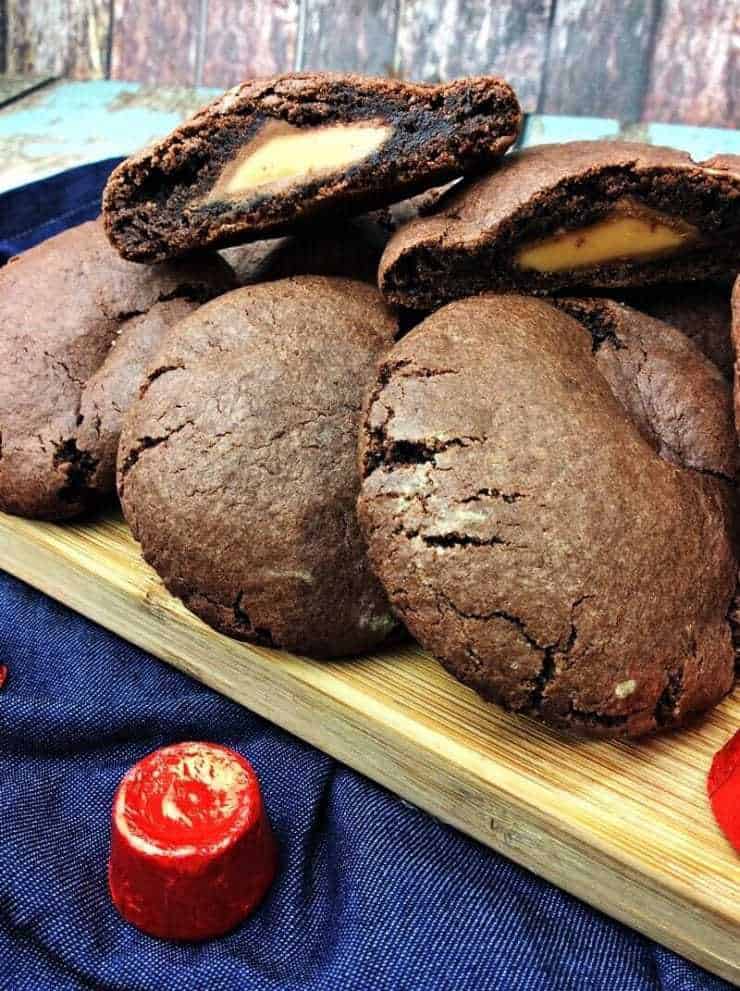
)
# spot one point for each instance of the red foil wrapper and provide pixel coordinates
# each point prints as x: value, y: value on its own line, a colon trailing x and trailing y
x: 192, y: 851
x: 723, y: 787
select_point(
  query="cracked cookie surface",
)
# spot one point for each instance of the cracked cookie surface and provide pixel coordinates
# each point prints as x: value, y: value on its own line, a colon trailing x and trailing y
x: 237, y: 465
x: 79, y: 327
x: 549, y: 504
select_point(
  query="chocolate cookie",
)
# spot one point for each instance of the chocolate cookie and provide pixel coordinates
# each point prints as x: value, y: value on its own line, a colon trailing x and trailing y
x: 550, y: 509
x: 351, y: 249
x: 246, y: 433
x: 272, y: 154
x: 701, y: 311
x: 736, y: 345
x: 585, y: 214
x: 79, y: 326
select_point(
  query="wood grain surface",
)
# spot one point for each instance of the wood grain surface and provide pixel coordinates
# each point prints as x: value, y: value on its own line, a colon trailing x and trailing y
x: 246, y: 38
x: 598, y: 56
x: 695, y: 67
x: 353, y: 36
x: 657, y: 60
x: 625, y: 826
x: 442, y: 39
x: 56, y: 37
x: 156, y: 41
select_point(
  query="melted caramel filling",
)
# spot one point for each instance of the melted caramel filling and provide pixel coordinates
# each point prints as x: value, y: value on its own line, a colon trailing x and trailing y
x: 629, y: 233
x: 283, y: 154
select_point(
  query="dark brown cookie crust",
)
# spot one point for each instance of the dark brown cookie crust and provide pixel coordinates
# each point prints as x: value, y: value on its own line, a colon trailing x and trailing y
x: 237, y: 465
x: 440, y: 131
x: 677, y: 398
x: 468, y: 245
x: 351, y: 249
x: 529, y: 532
x: 79, y: 323
x: 701, y: 311
x: 735, y: 331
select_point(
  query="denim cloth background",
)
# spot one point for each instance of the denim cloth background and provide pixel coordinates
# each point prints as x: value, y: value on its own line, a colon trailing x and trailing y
x: 371, y: 893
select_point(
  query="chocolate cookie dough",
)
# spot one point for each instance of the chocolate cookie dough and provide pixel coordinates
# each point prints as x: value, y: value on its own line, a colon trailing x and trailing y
x: 586, y: 214
x: 79, y: 325
x: 549, y: 505
x: 701, y: 311
x: 245, y: 436
x: 275, y: 153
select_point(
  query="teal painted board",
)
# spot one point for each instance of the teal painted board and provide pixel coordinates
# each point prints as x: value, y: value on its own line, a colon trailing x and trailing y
x: 546, y: 129
x: 67, y: 124
x: 699, y: 142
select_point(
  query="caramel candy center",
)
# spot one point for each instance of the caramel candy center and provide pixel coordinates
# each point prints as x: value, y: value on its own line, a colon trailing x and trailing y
x: 281, y: 153
x: 626, y: 234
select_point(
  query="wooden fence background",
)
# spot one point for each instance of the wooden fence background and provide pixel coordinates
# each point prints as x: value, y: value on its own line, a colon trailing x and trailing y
x: 660, y: 60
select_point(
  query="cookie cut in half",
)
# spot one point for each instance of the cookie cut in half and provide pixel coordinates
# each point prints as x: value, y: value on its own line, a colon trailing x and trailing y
x: 237, y: 466
x: 79, y: 327
x: 586, y: 214
x: 549, y: 505
x: 274, y: 153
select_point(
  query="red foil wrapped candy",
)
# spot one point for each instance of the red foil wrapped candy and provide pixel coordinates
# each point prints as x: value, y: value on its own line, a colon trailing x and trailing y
x: 192, y: 852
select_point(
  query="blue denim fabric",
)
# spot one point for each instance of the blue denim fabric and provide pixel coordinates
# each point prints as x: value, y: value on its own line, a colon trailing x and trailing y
x: 372, y: 893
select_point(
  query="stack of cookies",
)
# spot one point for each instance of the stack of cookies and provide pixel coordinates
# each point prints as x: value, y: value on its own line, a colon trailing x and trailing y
x: 484, y: 396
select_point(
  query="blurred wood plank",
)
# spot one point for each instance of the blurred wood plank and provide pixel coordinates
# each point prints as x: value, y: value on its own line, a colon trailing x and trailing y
x: 3, y: 34
x: 245, y: 38
x: 356, y: 35
x: 695, y: 70
x: 57, y: 38
x: 443, y: 39
x: 14, y: 87
x: 598, y: 57
x: 155, y: 41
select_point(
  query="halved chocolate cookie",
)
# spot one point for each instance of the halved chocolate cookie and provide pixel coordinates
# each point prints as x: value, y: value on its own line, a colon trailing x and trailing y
x: 237, y: 466
x: 586, y: 214
x: 274, y: 153
x: 79, y: 326
x: 549, y: 504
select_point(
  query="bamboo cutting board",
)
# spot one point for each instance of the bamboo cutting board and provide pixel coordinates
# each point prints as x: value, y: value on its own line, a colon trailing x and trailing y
x: 626, y: 827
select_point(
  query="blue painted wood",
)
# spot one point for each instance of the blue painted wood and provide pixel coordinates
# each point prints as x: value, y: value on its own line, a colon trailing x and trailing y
x: 546, y: 129
x: 71, y: 123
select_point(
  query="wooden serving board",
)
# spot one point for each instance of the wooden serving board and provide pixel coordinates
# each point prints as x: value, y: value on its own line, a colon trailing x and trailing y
x: 626, y: 827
